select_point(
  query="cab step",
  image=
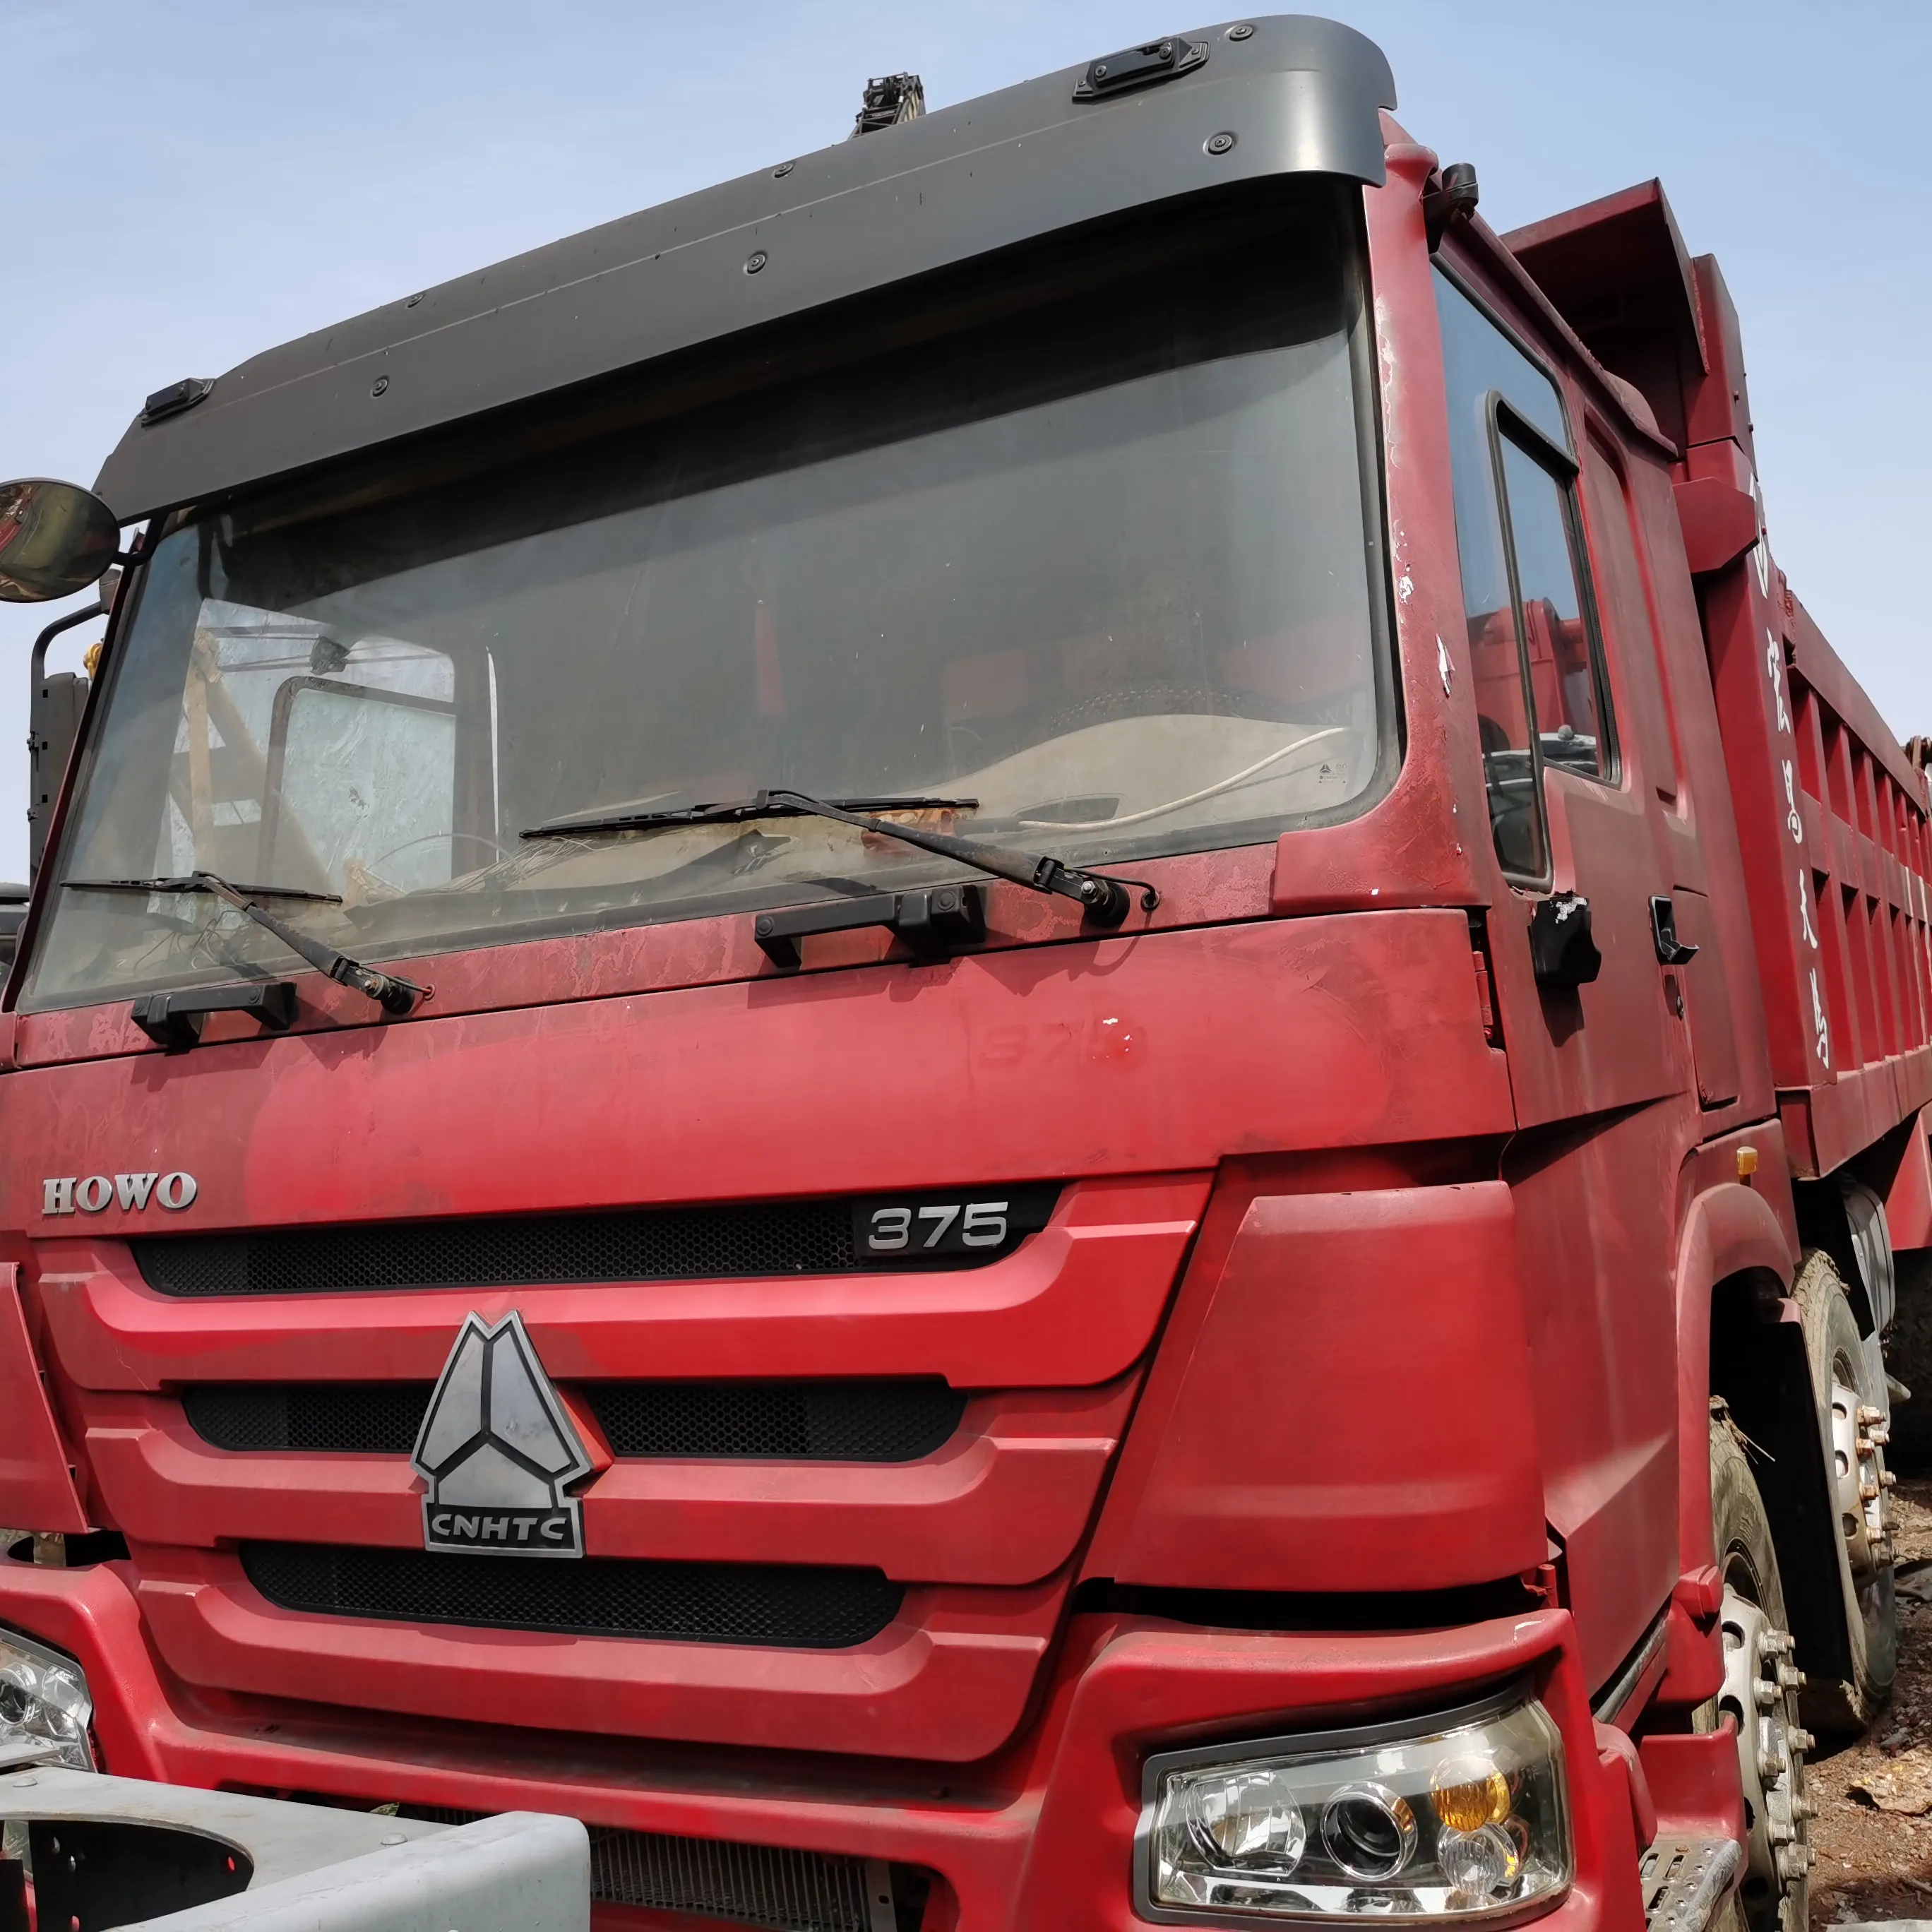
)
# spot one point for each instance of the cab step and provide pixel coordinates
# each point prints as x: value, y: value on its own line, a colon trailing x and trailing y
x: 1685, y: 1881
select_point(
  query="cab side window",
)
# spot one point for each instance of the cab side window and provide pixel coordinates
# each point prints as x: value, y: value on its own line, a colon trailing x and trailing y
x: 1533, y: 650
x: 1550, y: 600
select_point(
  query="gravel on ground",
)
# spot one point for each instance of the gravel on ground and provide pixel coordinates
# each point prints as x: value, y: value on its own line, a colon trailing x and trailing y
x: 1873, y: 1831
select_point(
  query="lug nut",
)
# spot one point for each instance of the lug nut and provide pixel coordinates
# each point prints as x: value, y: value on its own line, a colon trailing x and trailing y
x: 1790, y: 1678
x: 1868, y: 1414
x: 1887, y: 1480
x: 1766, y: 1694
x: 1801, y: 1740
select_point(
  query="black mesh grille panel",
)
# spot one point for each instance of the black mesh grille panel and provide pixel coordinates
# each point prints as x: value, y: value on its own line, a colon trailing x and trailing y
x: 357, y: 1419
x: 755, y: 1884
x: 655, y: 1244
x: 752, y: 1885
x: 793, y: 1608
x: 761, y: 1238
x: 829, y: 1422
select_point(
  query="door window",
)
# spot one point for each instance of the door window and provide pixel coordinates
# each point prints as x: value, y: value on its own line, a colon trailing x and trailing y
x: 1555, y: 639
x: 1626, y: 612
x: 1534, y: 659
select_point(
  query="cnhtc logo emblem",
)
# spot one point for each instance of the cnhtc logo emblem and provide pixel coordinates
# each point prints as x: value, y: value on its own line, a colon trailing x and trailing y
x: 497, y: 1449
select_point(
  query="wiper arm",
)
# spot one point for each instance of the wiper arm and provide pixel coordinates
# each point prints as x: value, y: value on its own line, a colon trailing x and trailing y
x: 393, y: 995
x: 192, y: 883
x: 1106, y: 901
x: 760, y: 804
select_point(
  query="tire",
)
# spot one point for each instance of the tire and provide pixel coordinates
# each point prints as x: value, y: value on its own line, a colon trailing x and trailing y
x: 1774, y: 1890
x: 1850, y: 1400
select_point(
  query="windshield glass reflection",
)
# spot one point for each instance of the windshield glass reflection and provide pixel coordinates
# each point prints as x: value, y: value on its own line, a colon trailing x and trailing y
x: 1108, y: 569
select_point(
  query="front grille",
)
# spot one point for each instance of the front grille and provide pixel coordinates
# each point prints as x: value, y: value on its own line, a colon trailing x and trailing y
x: 340, y: 1419
x: 825, y: 1422
x: 784, y: 1606
x: 828, y: 1422
x: 752, y: 1885
x: 646, y: 1244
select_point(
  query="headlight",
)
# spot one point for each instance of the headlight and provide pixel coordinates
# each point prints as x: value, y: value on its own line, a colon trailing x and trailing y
x: 1463, y: 1820
x: 43, y: 1696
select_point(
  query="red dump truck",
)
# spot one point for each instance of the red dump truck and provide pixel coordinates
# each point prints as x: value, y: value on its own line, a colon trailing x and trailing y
x: 1009, y: 1033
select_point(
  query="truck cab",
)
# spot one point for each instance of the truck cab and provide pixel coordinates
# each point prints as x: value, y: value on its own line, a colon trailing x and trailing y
x: 940, y: 1029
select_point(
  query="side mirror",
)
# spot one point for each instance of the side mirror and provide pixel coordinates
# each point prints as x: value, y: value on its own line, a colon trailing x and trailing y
x: 55, y: 538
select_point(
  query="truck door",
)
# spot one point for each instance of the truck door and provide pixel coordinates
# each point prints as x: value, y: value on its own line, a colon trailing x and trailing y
x: 1696, y: 986
x: 1592, y: 1171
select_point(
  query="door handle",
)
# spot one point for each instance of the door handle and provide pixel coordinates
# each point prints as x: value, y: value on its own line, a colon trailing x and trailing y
x: 1671, y: 951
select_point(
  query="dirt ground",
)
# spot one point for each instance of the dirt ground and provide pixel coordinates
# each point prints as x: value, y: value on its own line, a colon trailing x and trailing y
x: 1875, y: 1862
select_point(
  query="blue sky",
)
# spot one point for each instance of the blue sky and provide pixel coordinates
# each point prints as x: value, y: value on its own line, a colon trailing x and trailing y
x: 187, y: 184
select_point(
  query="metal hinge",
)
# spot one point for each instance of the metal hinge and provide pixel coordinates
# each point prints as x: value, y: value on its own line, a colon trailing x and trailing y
x: 1486, y: 980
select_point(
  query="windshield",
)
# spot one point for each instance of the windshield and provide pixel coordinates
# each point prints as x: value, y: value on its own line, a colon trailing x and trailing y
x: 1105, y: 574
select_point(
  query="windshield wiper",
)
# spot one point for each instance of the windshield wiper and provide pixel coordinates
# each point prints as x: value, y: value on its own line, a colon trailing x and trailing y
x: 1106, y: 901
x: 392, y: 994
x: 760, y: 804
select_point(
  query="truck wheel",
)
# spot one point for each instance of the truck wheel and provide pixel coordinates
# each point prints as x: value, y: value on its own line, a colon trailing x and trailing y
x: 1851, y: 1414
x: 1760, y: 1697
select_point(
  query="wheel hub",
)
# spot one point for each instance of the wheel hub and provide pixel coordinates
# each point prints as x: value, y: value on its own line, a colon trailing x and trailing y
x: 1758, y: 1695
x: 1858, y: 1439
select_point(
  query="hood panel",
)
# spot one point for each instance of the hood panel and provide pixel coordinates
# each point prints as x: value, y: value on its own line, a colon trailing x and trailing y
x: 1119, y: 1056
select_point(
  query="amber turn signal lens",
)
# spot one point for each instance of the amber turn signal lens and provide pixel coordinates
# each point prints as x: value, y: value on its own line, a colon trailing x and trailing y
x: 1468, y: 1794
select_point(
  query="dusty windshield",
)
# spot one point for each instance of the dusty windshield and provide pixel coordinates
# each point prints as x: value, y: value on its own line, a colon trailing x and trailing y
x: 1106, y: 572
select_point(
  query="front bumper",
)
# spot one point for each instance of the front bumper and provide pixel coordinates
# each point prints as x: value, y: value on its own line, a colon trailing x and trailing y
x: 1040, y: 1836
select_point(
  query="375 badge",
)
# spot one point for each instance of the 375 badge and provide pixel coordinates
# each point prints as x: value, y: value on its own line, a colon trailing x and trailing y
x: 498, y: 1450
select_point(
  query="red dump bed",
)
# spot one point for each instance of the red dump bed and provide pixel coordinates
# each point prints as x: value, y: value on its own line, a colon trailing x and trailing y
x: 1832, y: 816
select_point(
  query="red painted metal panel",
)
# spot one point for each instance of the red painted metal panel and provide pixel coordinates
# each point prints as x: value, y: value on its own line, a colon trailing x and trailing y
x: 1012, y: 1839
x: 1354, y: 1412
x: 1720, y: 521
x: 1196, y: 889
x: 1108, y: 1057
x: 947, y: 1680
x: 1714, y: 1039
x: 1908, y: 1204
x: 1072, y: 1305
x: 1832, y: 817
x: 1424, y: 844
x: 1003, y: 1502
x: 1729, y: 1229
x: 1042, y: 1077
x: 36, y: 1486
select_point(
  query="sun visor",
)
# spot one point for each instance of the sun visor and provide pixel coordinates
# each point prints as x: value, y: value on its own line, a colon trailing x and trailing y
x: 1297, y: 95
